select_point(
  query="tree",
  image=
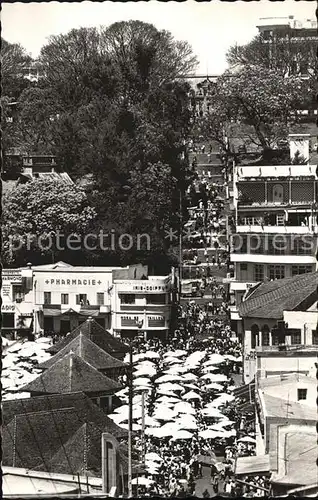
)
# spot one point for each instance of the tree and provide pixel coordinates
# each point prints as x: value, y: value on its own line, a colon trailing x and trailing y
x: 35, y: 217
x: 14, y: 61
x: 289, y: 56
x: 122, y: 115
x: 263, y: 102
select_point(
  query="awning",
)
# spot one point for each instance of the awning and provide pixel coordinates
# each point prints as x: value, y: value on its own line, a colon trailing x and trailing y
x: 257, y: 465
x: 89, y: 312
x: 48, y: 311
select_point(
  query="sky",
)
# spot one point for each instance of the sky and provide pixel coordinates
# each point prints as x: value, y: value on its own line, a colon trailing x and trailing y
x: 210, y: 27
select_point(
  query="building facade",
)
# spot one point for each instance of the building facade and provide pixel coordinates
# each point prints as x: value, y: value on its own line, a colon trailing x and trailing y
x: 280, y: 328
x: 59, y: 297
x: 276, y: 226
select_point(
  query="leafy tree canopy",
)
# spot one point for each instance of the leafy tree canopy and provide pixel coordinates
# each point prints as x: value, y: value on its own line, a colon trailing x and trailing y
x: 258, y: 98
x: 35, y: 213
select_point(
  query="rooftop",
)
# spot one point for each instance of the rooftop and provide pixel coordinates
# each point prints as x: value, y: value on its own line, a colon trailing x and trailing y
x: 83, y: 347
x: 96, y: 334
x: 33, y: 440
x: 71, y: 374
x: 83, y: 409
x: 270, y: 299
x: 281, y: 408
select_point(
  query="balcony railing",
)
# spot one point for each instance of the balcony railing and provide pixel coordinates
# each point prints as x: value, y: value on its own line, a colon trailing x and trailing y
x: 286, y: 347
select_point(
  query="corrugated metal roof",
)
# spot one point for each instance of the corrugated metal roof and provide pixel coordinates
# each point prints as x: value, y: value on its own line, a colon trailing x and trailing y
x: 252, y: 465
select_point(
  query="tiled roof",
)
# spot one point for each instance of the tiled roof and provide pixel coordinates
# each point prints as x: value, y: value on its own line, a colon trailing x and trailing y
x: 82, y: 452
x: 96, y: 334
x: 270, y: 299
x: 37, y: 440
x: 90, y: 352
x: 71, y: 374
x: 83, y: 409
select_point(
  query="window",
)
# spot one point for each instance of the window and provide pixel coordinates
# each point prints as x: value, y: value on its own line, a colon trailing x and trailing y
x: 156, y: 298
x: 17, y: 293
x: 259, y: 272
x: 243, y: 266
x: 295, y: 337
x: 276, y: 272
x: 277, y: 246
x: 128, y: 298
x: 278, y: 193
x: 7, y: 320
x: 275, y: 338
x: 301, y: 394
x: 100, y: 298
x: 254, y: 335
x: 314, y: 334
x: 301, y: 269
x: 81, y: 299
x: 301, y: 247
x: 64, y: 298
x: 265, y: 335
x: 47, y: 298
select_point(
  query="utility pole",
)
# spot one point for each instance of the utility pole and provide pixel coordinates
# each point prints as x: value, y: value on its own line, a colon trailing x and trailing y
x: 180, y: 242
x: 130, y: 418
x: 143, y: 441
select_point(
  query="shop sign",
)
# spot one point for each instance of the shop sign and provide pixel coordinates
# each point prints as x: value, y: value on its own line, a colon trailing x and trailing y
x: 73, y: 282
x: 8, y: 308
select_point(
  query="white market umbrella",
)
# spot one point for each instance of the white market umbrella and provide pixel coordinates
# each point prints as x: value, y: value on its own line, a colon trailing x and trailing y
x: 172, y: 361
x: 247, y: 439
x: 150, y: 421
x: 168, y: 399
x: 145, y: 371
x: 143, y: 481
x: 191, y: 395
x: 149, y: 355
x: 209, y: 369
x: 216, y: 359
x: 189, y: 376
x: 165, y: 392
x: 176, y: 369
x: 214, y: 386
x: 141, y: 381
x: 186, y: 422
x: 184, y: 407
x: 164, y: 414
x: 176, y: 354
x: 168, y: 386
x: 193, y: 387
x: 212, y: 412
x: 216, y: 377
x: 153, y: 457
x: 230, y: 357
x: 168, y: 378
x: 182, y: 435
x: 208, y: 434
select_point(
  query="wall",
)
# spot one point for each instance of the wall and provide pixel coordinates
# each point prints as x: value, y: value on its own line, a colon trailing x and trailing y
x: 288, y: 364
x: 153, y: 317
x: 72, y: 283
x: 288, y: 390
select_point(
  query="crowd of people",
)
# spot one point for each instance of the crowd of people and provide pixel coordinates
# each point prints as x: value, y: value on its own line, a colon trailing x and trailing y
x: 214, y: 425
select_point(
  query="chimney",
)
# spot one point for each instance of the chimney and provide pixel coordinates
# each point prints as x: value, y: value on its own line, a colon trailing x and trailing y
x: 300, y: 143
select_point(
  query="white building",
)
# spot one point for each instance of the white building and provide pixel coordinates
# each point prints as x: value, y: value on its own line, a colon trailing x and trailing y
x: 276, y: 223
x: 59, y: 297
x: 280, y: 327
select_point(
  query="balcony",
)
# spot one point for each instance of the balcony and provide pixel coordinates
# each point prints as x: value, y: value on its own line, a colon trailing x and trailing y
x: 287, y: 348
x: 267, y: 258
x: 276, y: 229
